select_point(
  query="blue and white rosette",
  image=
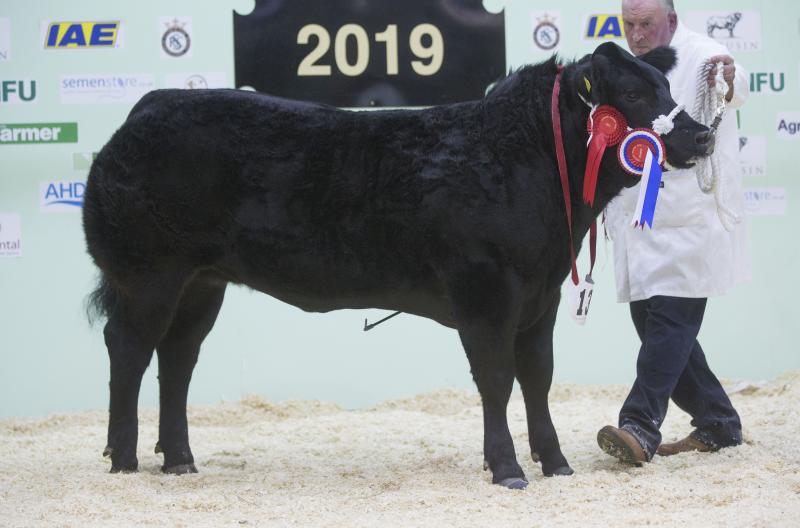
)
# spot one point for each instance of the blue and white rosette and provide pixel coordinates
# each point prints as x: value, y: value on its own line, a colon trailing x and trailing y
x: 641, y: 153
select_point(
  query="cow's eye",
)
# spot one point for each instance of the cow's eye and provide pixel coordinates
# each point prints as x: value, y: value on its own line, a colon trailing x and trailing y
x: 632, y: 96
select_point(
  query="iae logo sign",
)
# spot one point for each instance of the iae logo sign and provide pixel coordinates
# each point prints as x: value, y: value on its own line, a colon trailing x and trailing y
x: 604, y: 27
x: 82, y: 35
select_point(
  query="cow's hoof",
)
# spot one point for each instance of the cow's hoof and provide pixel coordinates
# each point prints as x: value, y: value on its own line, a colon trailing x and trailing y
x: 124, y: 468
x: 559, y: 471
x: 131, y: 466
x: 514, y: 483
x: 180, y: 469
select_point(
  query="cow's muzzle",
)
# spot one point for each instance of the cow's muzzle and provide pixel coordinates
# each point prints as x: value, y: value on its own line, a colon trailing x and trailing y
x: 705, y: 141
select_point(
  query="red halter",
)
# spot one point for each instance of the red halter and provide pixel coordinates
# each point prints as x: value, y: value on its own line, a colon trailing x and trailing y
x: 562, y: 170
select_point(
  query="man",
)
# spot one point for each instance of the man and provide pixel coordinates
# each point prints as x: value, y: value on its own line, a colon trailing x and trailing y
x: 667, y: 273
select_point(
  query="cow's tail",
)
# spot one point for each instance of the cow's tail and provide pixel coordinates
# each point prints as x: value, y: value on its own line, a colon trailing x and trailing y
x: 101, y: 302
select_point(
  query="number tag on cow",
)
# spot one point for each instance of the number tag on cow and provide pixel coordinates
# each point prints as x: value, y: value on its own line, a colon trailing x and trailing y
x: 580, y: 299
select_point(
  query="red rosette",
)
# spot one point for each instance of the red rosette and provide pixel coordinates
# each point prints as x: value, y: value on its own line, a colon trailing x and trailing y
x: 608, y: 121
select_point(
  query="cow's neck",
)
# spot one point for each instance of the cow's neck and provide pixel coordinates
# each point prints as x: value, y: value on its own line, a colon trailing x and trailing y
x: 574, y: 115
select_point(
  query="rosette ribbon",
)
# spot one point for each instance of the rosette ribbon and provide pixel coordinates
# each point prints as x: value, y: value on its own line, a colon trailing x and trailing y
x: 641, y: 153
x: 607, y: 126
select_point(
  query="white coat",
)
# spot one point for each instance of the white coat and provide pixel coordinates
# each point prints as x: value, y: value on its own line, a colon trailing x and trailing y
x: 688, y: 252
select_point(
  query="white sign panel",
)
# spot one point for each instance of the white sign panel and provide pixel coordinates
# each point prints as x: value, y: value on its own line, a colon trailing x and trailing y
x: 765, y: 201
x: 5, y: 39
x: 787, y: 125
x: 10, y: 235
x: 61, y: 196
x: 105, y: 88
x: 753, y: 156
x: 739, y: 31
x: 197, y: 80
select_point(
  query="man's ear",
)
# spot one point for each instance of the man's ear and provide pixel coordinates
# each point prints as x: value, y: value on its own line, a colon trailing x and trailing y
x: 663, y: 59
x: 673, y: 21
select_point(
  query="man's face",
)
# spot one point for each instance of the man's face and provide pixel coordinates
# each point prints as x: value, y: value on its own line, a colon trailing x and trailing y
x: 647, y: 25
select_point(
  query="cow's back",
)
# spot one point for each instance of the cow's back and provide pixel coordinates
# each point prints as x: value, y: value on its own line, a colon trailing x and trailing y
x: 274, y: 191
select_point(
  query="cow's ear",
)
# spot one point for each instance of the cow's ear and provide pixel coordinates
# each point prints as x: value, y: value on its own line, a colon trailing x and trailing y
x: 613, y: 52
x: 663, y: 59
x: 599, y: 72
x: 583, y: 81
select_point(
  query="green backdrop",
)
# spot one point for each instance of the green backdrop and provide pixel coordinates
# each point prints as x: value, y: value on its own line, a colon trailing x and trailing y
x: 51, y: 360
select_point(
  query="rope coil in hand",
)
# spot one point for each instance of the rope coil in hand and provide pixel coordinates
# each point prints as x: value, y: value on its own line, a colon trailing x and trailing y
x: 709, y: 107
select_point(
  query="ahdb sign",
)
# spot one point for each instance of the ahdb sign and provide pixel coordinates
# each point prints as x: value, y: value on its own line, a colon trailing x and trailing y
x: 61, y: 196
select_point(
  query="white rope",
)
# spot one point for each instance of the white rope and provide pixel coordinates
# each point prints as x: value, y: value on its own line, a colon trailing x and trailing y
x: 708, y: 109
x: 663, y: 125
x: 591, y: 122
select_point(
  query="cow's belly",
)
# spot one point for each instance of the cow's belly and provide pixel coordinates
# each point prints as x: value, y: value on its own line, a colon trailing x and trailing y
x: 325, y: 292
x: 320, y: 281
x: 420, y: 303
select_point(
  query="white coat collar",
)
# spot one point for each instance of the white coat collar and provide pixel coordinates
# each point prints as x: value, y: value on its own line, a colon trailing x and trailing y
x: 680, y: 35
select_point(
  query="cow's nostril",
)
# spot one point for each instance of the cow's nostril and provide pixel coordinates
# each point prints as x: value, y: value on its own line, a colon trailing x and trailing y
x: 705, y: 140
x: 701, y: 138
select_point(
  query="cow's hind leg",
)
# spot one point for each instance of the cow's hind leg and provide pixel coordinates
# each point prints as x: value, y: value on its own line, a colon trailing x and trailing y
x: 141, y: 314
x: 534, y: 370
x: 486, y: 315
x: 177, y: 354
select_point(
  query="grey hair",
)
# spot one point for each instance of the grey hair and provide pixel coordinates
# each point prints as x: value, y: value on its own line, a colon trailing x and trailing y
x: 668, y: 5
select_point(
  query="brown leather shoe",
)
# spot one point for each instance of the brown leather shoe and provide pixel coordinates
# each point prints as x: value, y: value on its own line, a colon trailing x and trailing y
x: 690, y: 443
x: 621, y: 444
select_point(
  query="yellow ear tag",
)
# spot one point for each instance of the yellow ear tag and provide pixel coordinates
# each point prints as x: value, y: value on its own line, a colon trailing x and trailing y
x: 588, y: 85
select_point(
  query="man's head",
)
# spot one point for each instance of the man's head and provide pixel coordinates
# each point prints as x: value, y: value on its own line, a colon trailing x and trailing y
x: 648, y: 24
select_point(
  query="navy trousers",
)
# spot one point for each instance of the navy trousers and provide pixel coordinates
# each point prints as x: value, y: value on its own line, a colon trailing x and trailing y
x: 671, y: 364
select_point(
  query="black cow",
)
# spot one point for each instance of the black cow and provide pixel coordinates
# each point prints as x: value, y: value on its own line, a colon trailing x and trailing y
x: 454, y: 213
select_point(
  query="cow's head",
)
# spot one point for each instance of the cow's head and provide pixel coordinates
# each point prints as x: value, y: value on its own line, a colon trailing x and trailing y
x: 638, y: 88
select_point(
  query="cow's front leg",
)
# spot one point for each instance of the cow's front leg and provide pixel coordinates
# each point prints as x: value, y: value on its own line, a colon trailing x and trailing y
x: 534, y: 370
x: 486, y: 311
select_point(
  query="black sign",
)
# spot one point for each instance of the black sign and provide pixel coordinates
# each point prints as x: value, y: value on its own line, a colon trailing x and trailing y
x: 358, y: 53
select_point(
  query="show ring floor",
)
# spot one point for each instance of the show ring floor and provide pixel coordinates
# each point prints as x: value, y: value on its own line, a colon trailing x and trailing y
x: 414, y: 462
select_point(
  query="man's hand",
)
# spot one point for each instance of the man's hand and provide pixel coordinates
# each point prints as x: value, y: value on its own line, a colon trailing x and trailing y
x: 728, y: 72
